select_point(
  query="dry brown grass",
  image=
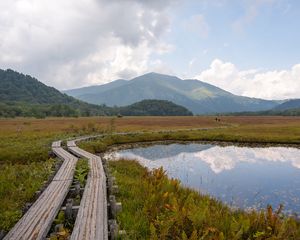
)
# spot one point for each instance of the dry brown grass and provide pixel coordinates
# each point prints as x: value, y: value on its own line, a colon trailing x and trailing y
x: 57, y: 125
x: 122, y: 124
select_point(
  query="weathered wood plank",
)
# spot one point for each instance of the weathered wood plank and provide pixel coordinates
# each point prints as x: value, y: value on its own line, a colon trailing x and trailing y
x: 37, y: 221
x: 56, y: 144
x: 91, y: 221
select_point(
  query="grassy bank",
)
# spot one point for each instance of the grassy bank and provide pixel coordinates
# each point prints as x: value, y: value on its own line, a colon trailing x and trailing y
x: 156, y: 207
x: 288, y: 135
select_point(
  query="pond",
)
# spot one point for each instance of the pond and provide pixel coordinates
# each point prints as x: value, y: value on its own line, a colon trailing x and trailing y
x: 242, y: 177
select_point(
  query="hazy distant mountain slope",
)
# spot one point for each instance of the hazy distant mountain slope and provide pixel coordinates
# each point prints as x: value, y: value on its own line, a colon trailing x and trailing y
x: 290, y: 104
x: 197, y: 96
x: 95, y: 89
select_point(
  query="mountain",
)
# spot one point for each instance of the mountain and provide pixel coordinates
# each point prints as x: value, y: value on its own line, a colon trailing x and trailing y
x: 199, y: 97
x: 17, y: 87
x: 290, y: 104
x: 95, y: 89
x: 153, y: 108
x: 23, y: 95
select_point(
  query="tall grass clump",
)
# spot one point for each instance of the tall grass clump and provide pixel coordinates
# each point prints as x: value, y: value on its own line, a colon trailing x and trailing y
x: 81, y: 171
x: 18, y: 183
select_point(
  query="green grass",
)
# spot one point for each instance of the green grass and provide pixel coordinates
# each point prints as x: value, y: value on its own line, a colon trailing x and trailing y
x: 156, y: 207
x: 81, y: 171
x: 19, y: 182
x: 25, y: 163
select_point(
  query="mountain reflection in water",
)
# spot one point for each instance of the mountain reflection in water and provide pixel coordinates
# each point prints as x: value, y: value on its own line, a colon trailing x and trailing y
x: 240, y: 176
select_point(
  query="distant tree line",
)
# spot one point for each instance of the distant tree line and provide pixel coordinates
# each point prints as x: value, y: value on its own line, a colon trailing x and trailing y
x: 286, y: 112
x: 19, y: 109
x: 144, y: 108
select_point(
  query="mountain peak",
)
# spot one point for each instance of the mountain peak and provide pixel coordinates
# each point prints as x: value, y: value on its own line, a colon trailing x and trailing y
x: 152, y: 76
x: 197, y: 96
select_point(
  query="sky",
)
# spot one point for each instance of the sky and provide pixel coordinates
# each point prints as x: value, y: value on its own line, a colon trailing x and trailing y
x: 247, y: 47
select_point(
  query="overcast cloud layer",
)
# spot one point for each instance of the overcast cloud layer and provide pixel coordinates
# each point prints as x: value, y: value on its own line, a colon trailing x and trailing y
x: 74, y: 43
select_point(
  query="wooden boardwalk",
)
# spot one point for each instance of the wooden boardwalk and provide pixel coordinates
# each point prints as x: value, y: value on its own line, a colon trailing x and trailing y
x: 37, y: 221
x: 92, y: 220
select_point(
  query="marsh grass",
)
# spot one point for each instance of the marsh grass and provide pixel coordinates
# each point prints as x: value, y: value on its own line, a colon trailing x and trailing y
x: 286, y: 135
x: 19, y: 182
x: 156, y: 207
x: 26, y: 142
x: 81, y: 171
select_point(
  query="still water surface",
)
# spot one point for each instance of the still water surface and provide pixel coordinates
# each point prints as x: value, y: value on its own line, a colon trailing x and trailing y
x: 239, y: 176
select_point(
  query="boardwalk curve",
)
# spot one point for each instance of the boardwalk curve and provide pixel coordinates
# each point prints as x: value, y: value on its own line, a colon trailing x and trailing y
x: 37, y: 221
x: 91, y: 221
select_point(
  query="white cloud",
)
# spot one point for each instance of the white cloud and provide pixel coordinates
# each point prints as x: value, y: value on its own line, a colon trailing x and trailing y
x: 72, y: 43
x: 277, y: 84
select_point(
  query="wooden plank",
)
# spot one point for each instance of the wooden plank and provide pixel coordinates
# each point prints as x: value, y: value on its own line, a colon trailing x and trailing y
x: 56, y: 144
x: 37, y: 221
x: 91, y: 222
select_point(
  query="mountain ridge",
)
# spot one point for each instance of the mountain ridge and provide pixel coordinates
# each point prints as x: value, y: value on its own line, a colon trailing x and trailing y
x: 199, y: 97
x: 290, y: 104
x: 90, y: 89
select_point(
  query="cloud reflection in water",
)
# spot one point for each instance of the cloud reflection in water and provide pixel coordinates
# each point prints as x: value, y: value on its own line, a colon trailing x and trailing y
x: 240, y: 176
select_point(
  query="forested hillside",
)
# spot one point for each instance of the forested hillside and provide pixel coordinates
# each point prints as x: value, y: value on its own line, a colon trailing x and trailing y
x: 17, y: 87
x: 154, y: 108
x: 23, y: 95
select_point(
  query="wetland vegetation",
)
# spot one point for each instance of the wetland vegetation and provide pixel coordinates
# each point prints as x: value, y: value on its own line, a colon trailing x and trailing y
x: 25, y: 144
